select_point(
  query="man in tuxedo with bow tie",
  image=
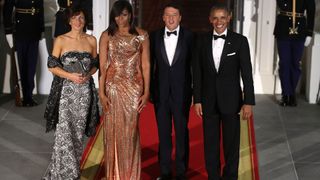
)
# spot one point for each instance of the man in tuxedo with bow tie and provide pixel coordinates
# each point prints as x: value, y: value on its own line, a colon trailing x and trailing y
x: 171, y: 48
x: 222, y: 58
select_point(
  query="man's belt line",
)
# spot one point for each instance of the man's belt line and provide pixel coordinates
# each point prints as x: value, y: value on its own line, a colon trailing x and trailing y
x: 31, y: 11
x: 290, y: 14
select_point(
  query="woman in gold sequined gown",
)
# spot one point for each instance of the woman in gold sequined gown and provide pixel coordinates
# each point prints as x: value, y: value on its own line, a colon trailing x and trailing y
x: 123, y: 91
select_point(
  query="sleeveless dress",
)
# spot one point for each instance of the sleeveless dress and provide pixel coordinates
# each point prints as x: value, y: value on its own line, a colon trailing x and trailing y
x: 123, y: 86
x: 74, y: 108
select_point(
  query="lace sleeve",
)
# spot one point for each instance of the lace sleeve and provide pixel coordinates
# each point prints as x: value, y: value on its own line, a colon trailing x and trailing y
x: 53, y: 62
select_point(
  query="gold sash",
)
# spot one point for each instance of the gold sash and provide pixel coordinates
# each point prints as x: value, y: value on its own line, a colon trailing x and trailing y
x: 293, y: 29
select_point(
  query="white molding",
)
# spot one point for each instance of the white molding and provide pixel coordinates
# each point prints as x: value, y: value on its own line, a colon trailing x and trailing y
x: 313, y: 70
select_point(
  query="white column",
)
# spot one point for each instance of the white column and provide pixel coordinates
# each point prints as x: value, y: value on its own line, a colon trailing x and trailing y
x: 7, y: 74
x: 100, y: 22
x: 100, y: 17
x: 43, y: 75
x: 259, y: 20
x: 313, y: 70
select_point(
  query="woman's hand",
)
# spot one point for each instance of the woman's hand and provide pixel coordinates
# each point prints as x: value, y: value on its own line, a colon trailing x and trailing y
x: 76, y: 78
x: 79, y: 78
x: 86, y: 78
x: 104, y: 103
x: 143, y: 100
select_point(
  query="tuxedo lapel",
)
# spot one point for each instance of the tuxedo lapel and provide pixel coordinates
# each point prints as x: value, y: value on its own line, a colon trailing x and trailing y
x: 162, y: 47
x: 209, y: 50
x: 178, y: 47
x: 226, y: 48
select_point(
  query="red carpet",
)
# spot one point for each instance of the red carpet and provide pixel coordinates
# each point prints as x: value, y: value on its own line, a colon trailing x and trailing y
x: 92, y: 165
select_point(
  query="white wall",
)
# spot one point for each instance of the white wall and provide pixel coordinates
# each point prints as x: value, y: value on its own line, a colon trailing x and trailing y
x: 313, y: 62
x: 259, y: 20
x: 313, y: 70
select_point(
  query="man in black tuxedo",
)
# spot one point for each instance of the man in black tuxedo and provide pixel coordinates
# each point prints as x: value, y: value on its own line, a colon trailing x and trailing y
x: 25, y: 20
x: 222, y: 56
x: 171, y: 89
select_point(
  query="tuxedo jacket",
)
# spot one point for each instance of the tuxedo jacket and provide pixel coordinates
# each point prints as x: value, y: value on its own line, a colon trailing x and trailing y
x: 305, y: 25
x: 174, y: 80
x: 24, y: 26
x: 220, y: 91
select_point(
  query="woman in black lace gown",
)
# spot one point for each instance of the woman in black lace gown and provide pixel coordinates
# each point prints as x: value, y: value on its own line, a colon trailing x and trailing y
x: 72, y: 104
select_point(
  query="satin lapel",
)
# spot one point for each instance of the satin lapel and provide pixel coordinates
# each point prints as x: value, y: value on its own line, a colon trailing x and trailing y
x: 225, y: 50
x: 162, y: 48
x: 178, y: 48
x: 208, y: 40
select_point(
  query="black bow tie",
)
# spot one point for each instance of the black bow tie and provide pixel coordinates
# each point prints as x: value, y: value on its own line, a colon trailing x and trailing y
x: 215, y: 37
x: 173, y: 32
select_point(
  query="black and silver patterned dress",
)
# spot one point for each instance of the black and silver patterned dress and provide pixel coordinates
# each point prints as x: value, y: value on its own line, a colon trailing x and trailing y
x: 74, y: 109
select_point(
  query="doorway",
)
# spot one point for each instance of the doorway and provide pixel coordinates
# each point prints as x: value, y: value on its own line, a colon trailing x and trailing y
x: 149, y: 13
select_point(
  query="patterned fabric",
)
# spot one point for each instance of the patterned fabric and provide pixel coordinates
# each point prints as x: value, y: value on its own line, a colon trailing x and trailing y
x: 124, y: 86
x: 74, y: 109
x: 52, y: 107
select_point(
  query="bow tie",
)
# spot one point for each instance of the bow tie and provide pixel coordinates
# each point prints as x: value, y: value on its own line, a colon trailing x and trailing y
x: 215, y: 37
x: 173, y: 32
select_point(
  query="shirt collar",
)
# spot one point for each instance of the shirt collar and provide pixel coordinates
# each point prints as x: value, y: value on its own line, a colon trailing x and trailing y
x: 224, y: 32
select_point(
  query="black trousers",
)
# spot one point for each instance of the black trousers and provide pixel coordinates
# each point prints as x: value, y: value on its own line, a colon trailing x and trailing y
x: 290, y: 54
x: 230, y: 124
x: 27, y: 51
x: 179, y: 113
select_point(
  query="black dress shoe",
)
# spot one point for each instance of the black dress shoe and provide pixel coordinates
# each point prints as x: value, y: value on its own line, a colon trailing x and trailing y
x: 284, y: 100
x: 292, y: 101
x: 29, y: 103
x: 181, y: 177
x: 165, y: 177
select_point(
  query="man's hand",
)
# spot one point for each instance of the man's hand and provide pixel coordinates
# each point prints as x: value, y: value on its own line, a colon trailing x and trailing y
x: 246, y: 111
x: 307, y: 41
x: 198, y: 109
x: 9, y: 40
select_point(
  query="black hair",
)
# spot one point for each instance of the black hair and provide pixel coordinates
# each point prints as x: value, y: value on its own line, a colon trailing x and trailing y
x: 116, y: 11
x: 220, y: 6
x: 75, y: 11
x: 174, y: 5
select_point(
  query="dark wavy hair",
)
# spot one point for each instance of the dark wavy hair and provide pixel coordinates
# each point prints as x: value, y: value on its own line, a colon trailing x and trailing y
x: 75, y: 11
x: 116, y: 11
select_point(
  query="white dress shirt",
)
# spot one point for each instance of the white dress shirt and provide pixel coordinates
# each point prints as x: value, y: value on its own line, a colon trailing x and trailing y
x: 217, y: 48
x: 170, y: 43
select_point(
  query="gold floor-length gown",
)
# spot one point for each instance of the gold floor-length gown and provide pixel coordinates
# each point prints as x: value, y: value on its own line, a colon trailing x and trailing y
x: 124, y: 86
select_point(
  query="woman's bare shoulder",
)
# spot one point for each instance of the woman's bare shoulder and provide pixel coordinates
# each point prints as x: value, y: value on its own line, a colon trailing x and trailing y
x: 91, y: 38
x: 104, y: 37
x: 141, y: 31
x: 105, y: 34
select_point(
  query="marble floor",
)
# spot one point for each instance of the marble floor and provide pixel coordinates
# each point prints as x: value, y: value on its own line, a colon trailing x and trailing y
x: 288, y: 140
